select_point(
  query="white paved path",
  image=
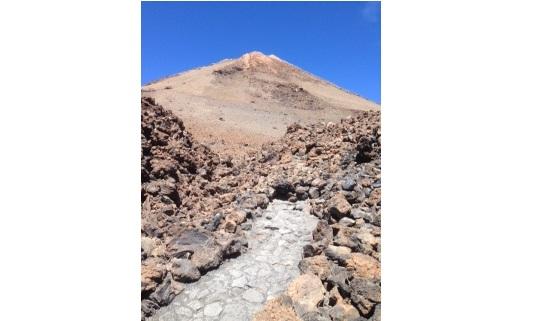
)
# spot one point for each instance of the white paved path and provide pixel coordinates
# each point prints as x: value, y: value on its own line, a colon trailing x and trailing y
x: 240, y: 286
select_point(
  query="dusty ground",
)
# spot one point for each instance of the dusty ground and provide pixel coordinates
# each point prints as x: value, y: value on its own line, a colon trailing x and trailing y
x: 236, y: 105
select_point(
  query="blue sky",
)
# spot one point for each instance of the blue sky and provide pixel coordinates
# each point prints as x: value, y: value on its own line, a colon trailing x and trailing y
x: 337, y: 41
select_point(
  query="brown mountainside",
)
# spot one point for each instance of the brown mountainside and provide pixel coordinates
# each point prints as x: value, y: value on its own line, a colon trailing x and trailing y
x: 238, y: 104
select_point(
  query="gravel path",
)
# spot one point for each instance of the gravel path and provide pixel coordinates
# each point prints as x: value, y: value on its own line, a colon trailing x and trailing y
x: 240, y: 286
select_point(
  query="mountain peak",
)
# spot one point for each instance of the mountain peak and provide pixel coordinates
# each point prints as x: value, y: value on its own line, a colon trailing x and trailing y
x: 226, y: 104
x: 256, y: 58
x: 254, y: 53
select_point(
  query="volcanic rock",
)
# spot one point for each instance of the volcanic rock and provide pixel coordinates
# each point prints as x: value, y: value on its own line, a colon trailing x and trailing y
x: 207, y: 258
x: 338, y: 253
x: 338, y: 207
x: 317, y: 265
x: 306, y: 292
x: 183, y: 270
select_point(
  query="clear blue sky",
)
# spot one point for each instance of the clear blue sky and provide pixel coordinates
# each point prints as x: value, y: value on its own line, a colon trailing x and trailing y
x: 338, y: 41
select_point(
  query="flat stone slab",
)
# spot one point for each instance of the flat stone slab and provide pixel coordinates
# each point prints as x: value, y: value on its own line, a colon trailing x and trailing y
x: 240, y: 286
x: 252, y: 295
x: 212, y: 309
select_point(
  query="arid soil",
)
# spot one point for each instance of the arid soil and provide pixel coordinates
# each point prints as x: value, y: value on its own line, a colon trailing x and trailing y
x: 196, y: 205
x: 236, y: 105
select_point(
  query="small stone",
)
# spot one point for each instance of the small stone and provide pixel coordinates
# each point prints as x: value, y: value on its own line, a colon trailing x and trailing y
x: 347, y: 236
x: 149, y: 307
x: 344, y: 312
x: 348, y: 184
x: 301, y: 192
x: 237, y: 216
x: 262, y: 200
x: 338, y: 253
x: 151, y: 275
x: 207, y: 258
x: 346, y: 221
x: 319, y: 183
x: 278, y: 309
x: 183, y: 270
x: 364, y: 266
x: 314, y: 192
x: 310, y: 250
x: 365, y: 294
x: 323, y: 232
x: 215, y: 221
x: 358, y: 213
x: 230, y: 227
x: 166, y: 292
x: 365, y: 182
x: 282, y: 187
x: 317, y: 265
x: 233, y: 247
x: 338, y: 206
x: 306, y: 292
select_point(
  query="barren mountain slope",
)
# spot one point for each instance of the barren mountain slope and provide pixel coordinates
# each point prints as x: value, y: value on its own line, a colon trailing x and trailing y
x: 199, y: 209
x: 249, y: 101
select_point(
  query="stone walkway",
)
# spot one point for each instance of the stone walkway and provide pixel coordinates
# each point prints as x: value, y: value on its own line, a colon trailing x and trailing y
x: 240, y: 286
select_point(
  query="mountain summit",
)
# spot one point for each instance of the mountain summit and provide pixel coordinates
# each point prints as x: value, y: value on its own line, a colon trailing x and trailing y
x: 250, y: 100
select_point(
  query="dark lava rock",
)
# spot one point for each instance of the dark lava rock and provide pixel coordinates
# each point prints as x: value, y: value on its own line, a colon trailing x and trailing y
x: 262, y: 200
x: 282, y: 187
x: 167, y: 291
x: 214, y: 223
x: 365, y: 294
x: 338, y: 253
x: 323, y: 232
x: 148, y: 308
x: 377, y: 313
x: 365, y: 149
x: 348, y: 183
x: 317, y: 265
x: 314, y: 193
x: 319, y: 315
x: 188, y: 241
x: 346, y: 221
x: 233, y: 247
x: 347, y: 237
x: 207, y: 258
x: 311, y: 250
x: 184, y: 271
x: 340, y: 277
x: 338, y: 206
x: 301, y: 193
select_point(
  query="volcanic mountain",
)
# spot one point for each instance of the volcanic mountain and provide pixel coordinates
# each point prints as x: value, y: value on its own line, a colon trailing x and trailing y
x: 237, y: 104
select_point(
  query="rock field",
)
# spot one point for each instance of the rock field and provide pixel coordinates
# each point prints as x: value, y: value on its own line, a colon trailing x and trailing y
x: 203, y: 213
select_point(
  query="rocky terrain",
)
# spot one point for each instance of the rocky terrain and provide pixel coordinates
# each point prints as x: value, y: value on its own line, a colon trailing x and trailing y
x: 239, y: 287
x: 198, y: 209
x: 236, y: 105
